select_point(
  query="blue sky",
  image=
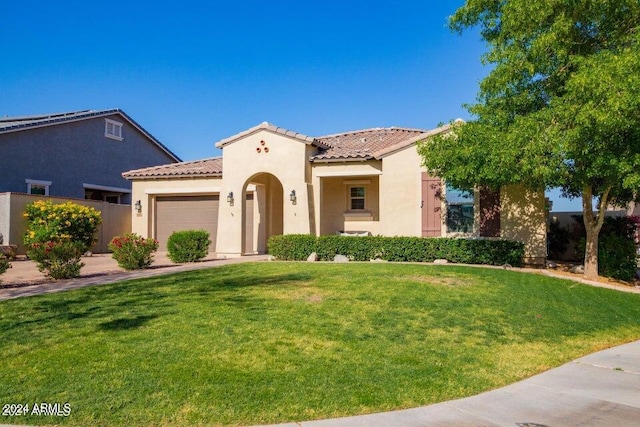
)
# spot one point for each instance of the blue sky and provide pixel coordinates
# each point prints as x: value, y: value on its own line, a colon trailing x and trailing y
x: 194, y: 72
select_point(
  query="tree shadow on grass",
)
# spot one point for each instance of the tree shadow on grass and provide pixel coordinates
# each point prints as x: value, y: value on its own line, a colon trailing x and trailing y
x: 131, y: 304
x: 126, y: 323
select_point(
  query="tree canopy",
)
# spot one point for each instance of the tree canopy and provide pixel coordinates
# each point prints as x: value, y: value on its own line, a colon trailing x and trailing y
x: 560, y: 107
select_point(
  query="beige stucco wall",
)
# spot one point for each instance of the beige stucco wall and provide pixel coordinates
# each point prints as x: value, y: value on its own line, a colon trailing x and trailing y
x: 400, y: 193
x: 523, y: 218
x: 116, y: 219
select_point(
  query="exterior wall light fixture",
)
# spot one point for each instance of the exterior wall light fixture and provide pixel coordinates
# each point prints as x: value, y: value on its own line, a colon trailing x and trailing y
x: 138, y: 206
x: 293, y: 197
x: 230, y: 198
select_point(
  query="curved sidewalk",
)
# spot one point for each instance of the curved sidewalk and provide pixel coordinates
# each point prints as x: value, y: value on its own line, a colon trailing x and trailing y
x: 601, y: 389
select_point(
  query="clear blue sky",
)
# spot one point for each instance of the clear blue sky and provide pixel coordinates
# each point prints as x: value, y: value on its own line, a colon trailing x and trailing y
x: 194, y: 72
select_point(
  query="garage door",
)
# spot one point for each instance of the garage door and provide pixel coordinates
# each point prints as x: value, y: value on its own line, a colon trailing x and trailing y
x: 178, y: 213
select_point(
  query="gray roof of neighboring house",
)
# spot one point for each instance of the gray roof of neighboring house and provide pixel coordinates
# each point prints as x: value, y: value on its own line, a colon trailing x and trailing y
x: 19, y: 123
x: 198, y: 168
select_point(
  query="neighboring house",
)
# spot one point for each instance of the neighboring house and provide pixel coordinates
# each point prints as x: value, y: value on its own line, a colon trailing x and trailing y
x: 272, y: 181
x: 79, y: 154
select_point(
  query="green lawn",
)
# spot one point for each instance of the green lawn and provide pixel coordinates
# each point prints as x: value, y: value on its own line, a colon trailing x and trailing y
x: 275, y: 342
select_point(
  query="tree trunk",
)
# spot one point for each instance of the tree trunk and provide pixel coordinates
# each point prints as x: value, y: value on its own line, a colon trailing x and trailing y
x: 591, y: 252
x: 592, y: 225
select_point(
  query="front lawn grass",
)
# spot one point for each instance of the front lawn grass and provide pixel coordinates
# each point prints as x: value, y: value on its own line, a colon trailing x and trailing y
x: 276, y: 342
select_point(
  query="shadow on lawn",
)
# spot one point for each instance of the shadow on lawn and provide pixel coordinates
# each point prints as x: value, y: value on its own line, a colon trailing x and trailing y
x: 126, y: 323
x: 131, y: 304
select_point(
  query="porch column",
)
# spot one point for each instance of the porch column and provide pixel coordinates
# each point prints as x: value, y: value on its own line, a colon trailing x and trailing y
x: 229, y: 238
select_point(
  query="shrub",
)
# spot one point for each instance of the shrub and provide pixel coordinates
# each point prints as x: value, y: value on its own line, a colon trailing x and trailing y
x: 4, y: 264
x: 133, y: 252
x: 188, y: 246
x: 293, y: 247
x: 413, y: 249
x: 58, y: 260
x: 58, y: 235
x: 616, y: 256
x: 48, y: 222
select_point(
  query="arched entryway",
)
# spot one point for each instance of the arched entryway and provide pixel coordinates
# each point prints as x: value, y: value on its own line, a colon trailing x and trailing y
x: 262, y: 211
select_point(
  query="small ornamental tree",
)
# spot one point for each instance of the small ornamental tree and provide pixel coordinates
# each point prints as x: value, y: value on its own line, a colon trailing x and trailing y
x: 58, y: 234
x: 559, y: 107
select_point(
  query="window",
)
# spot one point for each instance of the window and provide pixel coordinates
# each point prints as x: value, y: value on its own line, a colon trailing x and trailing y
x: 113, y: 129
x: 40, y: 188
x: 460, y: 218
x: 356, y: 198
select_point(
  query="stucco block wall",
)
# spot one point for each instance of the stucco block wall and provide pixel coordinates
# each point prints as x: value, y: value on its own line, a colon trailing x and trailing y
x: 5, y: 218
x: 116, y: 219
x: 72, y: 153
x: 523, y: 218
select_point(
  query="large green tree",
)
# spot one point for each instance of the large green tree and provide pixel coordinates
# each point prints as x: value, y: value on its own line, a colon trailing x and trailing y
x: 559, y: 108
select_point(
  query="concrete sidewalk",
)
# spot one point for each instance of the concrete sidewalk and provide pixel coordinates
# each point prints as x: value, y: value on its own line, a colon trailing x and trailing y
x: 601, y: 389
x: 24, y: 279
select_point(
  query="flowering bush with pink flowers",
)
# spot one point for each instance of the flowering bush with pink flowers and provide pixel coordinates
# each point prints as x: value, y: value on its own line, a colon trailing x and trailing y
x: 58, y: 260
x: 132, y: 251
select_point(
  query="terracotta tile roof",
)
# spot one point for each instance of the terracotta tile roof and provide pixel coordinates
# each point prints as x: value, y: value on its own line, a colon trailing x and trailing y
x: 363, y: 144
x: 19, y: 123
x: 198, y: 168
x: 358, y: 145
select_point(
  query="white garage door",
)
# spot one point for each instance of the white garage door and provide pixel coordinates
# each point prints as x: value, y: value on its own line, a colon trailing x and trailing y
x: 176, y: 213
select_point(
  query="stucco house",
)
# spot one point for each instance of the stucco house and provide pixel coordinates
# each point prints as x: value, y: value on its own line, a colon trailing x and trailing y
x: 271, y: 181
x: 79, y: 154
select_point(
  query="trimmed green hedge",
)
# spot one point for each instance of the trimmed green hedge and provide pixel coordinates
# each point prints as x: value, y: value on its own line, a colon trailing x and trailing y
x: 297, y: 247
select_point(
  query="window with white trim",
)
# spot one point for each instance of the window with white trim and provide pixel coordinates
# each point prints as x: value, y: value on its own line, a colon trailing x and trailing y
x: 356, y: 198
x: 38, y: 187
x: 113, y: 129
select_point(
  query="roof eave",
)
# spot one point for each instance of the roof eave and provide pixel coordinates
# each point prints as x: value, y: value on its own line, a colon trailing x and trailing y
x: 341, y: 159
x: 270, y: 128
x: 170, y: 176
